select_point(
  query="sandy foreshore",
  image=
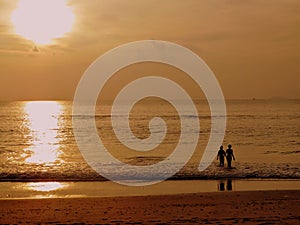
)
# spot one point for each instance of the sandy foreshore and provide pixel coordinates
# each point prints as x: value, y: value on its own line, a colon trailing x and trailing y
x: 258, y: 207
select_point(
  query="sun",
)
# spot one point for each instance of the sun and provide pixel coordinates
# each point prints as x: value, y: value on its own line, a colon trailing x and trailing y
x: 41, y: 21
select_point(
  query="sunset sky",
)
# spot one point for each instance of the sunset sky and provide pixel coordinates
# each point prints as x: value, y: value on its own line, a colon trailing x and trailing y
x: 252, y: 46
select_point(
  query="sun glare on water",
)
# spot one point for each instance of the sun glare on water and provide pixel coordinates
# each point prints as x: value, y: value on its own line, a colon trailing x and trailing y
x: 42, y: 121
x: 41, y: 21
x: 44, y: 186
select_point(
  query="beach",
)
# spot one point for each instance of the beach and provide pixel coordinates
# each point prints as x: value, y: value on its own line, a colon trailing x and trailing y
x: 258, y: 207
x: 115, y: 112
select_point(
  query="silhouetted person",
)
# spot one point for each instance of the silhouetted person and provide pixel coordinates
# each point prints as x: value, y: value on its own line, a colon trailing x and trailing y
x: 221, y: 155
x: 229, y: 156
x: 229, y: 185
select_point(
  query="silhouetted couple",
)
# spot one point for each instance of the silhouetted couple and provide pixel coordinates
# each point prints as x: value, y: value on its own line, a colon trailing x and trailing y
x: 228, y: 154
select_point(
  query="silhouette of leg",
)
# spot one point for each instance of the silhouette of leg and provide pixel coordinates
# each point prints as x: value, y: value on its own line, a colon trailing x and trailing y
x: 221, y: 161
x: 229, y: 164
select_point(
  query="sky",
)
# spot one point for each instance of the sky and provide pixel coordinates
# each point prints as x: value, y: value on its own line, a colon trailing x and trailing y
x: 252, y: 46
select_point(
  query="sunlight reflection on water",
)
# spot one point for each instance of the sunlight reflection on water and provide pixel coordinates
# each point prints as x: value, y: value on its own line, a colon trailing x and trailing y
x: 42, y: 121
x: 45, y: 186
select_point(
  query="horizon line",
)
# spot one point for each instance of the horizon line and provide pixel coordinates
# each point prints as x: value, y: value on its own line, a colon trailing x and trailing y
x: 108, y: 100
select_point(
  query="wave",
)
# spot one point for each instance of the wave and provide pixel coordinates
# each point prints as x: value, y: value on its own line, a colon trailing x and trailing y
x: 189, y: 172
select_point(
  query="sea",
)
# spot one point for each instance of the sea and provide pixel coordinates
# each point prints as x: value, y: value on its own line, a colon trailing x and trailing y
x: 37, y: 141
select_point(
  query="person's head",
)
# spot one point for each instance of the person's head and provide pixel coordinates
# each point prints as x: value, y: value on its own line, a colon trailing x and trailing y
x: 229, y: 146
x: 221, y: 147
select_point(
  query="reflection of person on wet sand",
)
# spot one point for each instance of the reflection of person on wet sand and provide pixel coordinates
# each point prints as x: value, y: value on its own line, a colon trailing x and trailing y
x: 229, y: 185
x: 221, y: 155
x: 221, y: 185
x: 229, y: 156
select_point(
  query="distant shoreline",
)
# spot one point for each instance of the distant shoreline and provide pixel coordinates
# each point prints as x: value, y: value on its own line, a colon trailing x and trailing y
x: 111, y: 100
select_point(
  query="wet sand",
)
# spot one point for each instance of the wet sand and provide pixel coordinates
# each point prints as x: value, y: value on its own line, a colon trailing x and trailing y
x: 110, y: 189
x: 259, y: 207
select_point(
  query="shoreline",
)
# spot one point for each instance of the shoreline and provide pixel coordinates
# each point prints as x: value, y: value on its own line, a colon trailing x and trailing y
x: 33, y: 190
x: 205, y: 208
